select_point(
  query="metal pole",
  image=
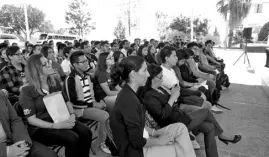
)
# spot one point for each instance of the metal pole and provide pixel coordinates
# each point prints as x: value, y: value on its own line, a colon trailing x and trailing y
x: 26, y: 22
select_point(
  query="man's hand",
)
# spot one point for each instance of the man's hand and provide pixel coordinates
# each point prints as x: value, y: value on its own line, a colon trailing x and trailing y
x: 100, y: 106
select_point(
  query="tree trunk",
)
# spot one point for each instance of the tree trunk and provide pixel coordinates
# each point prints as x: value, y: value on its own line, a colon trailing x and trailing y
x: 230, y: 40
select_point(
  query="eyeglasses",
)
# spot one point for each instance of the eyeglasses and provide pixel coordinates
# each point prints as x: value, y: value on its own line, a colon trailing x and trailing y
x: 47, y: 64
x: 83, y: 62
x: 18, y: 54
x: 160, y: 78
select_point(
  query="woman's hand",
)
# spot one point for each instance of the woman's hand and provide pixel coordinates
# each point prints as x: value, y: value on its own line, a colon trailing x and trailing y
x: 68, y: 124
x: 165, y: 139
x: 175, y: 92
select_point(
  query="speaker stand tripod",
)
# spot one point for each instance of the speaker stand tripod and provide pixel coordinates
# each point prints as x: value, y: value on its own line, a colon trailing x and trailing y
x: 245, y: 54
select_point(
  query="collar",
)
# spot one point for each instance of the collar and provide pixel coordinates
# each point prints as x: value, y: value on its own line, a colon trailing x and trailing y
x: 75, y: 72
x: 126, y: 86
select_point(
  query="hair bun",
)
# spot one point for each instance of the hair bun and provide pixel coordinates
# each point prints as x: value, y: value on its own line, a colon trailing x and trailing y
x: 116, y: 73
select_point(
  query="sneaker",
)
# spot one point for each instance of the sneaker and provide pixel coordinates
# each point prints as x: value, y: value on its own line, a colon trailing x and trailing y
x: 216, y: 110
x: 104, y: 148
x: 195, y: 145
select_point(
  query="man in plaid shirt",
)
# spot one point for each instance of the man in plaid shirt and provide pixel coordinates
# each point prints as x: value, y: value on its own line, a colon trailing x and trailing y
x: 12, y: 76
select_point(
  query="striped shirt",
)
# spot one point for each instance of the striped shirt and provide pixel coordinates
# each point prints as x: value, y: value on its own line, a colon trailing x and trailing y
x: 86, y: 89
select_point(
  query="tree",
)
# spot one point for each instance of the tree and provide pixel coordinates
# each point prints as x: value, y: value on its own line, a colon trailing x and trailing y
x: 13, y: 16
x: 263, y: 34
x: 216, y: 32
x: 61, y: 31
x: 172, y: 33
x: 214, y: 38
x: 183, y: 23
x: 47, y: 27
x: 129, y: 9
x: 79, y: 20
x: 201, y: 26
x: 238, y: 10
x: 162, y: 25
x: 119, y: 31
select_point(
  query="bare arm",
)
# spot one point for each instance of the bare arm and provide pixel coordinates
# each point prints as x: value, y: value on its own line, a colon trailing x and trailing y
x: 106, y: 89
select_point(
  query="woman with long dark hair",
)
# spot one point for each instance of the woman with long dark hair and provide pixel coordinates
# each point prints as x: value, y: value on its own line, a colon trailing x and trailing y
x: 103, y: 87
x: 127, y: 120
x: 131, y: 52
x: 164, y: 109
x: 48, y: 52
x: 73, y: 135
x: 118, y: 56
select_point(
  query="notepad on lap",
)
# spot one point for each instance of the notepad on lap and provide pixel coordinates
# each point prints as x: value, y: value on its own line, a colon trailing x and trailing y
x: 56, y: 107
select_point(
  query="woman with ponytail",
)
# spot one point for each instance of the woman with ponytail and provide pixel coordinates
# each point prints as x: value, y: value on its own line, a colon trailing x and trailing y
x: 127, y: 119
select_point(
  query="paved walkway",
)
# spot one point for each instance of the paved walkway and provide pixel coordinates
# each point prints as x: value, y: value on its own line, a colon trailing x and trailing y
x: 250, y: 108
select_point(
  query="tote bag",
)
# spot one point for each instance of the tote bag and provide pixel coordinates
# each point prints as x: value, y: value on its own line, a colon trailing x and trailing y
x: 56, y: 107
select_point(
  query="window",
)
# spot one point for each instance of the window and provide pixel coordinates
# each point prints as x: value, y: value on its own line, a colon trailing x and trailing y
x: 43, y: 36
x: 258, y: 8
x: 49, y: 37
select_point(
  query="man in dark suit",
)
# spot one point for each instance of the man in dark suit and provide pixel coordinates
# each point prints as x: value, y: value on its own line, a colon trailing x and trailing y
x: 14, y: 138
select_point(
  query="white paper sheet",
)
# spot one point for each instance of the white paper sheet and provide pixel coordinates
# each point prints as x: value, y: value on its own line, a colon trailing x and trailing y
x: 56, y: 107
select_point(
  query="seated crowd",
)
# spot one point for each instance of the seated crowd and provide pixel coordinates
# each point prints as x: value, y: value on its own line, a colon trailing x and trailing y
x: 153, y: 98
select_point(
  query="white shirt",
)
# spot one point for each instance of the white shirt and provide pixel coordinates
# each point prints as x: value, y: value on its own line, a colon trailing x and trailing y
x: 124, y: 52
x: 66, y: 66
x: 169, y: 78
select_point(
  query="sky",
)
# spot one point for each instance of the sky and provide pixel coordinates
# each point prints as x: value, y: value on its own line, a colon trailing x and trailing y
x: 105, y: 14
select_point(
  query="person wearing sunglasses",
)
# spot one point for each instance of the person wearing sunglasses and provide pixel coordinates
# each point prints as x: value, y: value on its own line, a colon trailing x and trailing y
x: 12, y: 76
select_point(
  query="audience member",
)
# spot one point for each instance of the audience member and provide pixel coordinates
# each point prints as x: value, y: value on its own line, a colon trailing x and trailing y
x: 73, y: 135
x: 14, y: 138
x: 131, y: 52
x: 127, y: 121
x: 118, y: 56
x: 66, y: 62
x: 12, y: 76
x: 125, y: 45
x: 80, y: 92
x: 49, y: 54
x: 103, y: 87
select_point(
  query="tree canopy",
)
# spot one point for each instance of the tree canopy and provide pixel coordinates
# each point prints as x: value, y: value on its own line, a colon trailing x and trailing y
x: 183, y: 23
x: 13, y: 16
x: 120, y: 31
x: 78, y: 18
x: 263, y: 34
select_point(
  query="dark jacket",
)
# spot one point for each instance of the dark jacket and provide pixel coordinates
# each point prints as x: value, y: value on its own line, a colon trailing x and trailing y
x: 12, y: 125
x: 127, y: 122
x: 187, y: 74
x: 156, y: 104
